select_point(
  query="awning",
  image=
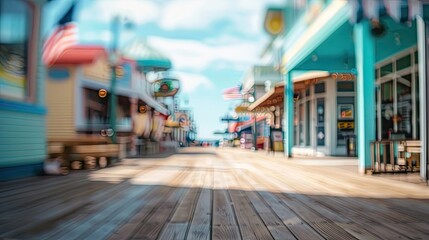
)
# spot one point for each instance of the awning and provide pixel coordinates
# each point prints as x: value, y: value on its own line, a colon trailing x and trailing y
x: 400, y: 10
x: 153, y: 103
x: 80, y: 54
x: 242, y: 108
x: 307, y: 78
x: 249, y: 123
x: 275, y: 96
x: 272, y: 98
x: 147, y: 57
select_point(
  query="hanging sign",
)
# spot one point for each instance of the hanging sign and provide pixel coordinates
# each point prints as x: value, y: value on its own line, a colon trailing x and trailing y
x: 166, y: 87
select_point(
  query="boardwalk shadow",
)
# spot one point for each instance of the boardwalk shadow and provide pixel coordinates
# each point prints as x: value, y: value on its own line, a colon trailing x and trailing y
x: 121, y: 205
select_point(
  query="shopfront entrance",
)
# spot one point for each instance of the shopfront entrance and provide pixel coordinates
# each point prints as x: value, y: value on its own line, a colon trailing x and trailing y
x: 324, y: 116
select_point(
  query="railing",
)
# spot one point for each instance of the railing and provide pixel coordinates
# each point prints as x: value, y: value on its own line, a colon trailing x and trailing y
x: 385, y: 149
x: 394, y: 156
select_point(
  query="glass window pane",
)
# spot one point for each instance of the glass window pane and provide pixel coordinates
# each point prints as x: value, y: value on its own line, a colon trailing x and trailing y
x: 403, y: 63
x: 417, y: 106
x: 295, y: 124
x: 386, y: 69
x: 403, y: 119
x: 319, y: 87
x: 320, y: 134
x: 307, y: 123
x: 15, y: 29
x: 345, y: 119
x: 345, y: 86
x: 301, y: 125
x: 386, y: 110
x: 416, y: 57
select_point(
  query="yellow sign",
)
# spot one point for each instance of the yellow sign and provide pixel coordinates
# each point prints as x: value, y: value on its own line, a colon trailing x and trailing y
x: 346, y: 125
x: 274, y: 22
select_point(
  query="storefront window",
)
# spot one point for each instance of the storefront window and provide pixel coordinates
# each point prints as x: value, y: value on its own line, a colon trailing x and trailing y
x: 96, y: 110
x: 345, y: 119
x: 319, y: 87
x: 403, y: 63
x: 301, y: 125
x: 14, y: 38
x: 345, y: 86
x: 307, y: 122
x: 97, y: 115
x: 398, y: 99
x: 295, y: 124
x: 386, y: 69
x: 320, y: 122
x: 387, y: 109
x: 403, y: 118
x: 417, y: 109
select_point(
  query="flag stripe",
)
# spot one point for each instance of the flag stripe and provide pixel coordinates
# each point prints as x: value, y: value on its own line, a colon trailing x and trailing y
x: 232, y: 93
x: 64, y: 37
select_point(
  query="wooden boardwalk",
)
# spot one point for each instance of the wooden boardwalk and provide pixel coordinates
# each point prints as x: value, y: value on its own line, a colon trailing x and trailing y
x: 206, y: 193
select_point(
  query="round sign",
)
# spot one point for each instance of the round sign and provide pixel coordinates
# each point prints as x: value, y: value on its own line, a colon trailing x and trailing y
x: 102, y: 93
x: 242, y: 140
x: 142, y: 109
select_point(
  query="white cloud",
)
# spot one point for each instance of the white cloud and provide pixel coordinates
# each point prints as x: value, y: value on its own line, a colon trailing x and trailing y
x: 246, y: 16
x: 198, y: 55
x: 102, y: 37
x: 137, y: 11
x: 191, y: 82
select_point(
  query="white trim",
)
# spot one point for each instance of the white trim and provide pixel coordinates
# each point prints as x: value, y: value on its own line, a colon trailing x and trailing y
x: 311, y: 75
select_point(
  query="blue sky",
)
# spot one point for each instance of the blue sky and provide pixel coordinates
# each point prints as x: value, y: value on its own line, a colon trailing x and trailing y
x: 212, y: 43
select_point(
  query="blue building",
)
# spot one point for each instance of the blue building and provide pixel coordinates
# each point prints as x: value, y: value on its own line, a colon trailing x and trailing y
x: 352, y: 69
x: 22, y: 94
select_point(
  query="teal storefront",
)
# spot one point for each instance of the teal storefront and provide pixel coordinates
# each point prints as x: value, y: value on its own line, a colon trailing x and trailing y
x: 384, y: 46
x: 22, y: 104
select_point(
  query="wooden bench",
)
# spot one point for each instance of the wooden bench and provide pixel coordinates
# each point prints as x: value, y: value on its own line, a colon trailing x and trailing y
x: 79, y: 152
x: 409, y: 154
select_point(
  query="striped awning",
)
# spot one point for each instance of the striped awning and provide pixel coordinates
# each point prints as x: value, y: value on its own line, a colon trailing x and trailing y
x: 400, y: 10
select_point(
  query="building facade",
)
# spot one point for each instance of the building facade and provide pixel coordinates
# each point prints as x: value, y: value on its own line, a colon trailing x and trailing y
x: 374, y: 56
x: 22, y: 90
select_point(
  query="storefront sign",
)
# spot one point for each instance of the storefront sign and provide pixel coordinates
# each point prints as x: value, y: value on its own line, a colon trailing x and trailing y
x: 58, y: 74
x: 346, y: 125
x: 345, y: 111
x: 343, y: 76
x: 274, y: 21
x: 166, y: 87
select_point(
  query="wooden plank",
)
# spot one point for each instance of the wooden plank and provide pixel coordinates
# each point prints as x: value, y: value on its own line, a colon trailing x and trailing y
x: 250, y: 224
x: 87, y: 205
x: 89, y: 210
x: 177, y: 226
x: 174, y: 176
x: 224, y: 225
x: 153, y: 199
x: 339, y: 221
x: 151, y: 228
x: 200, y: 227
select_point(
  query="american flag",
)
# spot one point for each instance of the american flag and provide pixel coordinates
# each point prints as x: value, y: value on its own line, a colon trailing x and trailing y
x: 64, y: 36
x: 232, y: 93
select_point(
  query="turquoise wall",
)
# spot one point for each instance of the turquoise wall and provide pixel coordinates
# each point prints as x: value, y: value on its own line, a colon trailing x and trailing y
x: 22, y: 144
x: 399, y: 37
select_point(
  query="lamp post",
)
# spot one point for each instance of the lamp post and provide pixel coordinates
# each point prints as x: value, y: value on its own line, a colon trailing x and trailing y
x: 113, y: 62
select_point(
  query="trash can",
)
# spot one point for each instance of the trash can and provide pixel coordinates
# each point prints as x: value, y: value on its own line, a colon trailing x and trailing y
x: 351, y: 145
